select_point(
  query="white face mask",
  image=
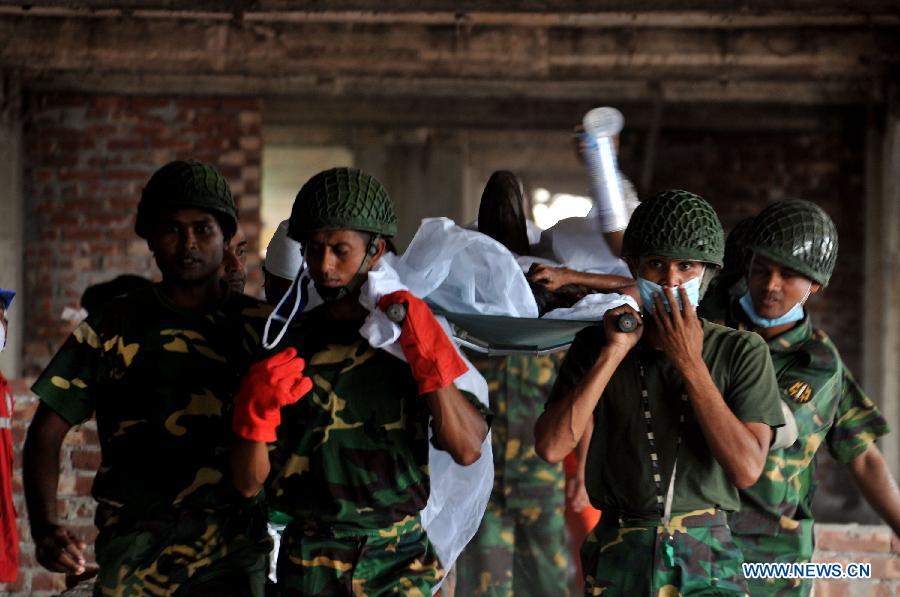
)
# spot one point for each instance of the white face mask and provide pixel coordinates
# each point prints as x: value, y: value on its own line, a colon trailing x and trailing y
x: 795, y: 313
x: 647, y: 289
x: 2, y: 337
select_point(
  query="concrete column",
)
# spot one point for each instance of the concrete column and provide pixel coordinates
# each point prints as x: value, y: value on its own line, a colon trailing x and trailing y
x: 882, y: 296
x: 424, y: 176
x: 12, y: 221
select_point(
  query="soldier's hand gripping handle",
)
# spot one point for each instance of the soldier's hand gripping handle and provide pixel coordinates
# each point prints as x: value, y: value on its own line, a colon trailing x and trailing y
x: 430, y: 353
x: 268, y: 386
x: 623, y: 326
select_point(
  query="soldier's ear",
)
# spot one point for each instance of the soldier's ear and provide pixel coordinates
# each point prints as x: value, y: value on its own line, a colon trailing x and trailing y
x: 379, y: 247
x: 814, y: 288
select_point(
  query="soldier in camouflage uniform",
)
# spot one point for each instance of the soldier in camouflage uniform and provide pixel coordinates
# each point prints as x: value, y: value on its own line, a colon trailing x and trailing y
x: 159, y: 368
x: 350, y: 460
x: 794, y: 246
x: 682, y: 410
x: 520, y: 548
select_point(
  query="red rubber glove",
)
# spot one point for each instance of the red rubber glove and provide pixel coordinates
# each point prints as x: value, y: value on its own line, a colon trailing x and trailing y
x: 429, y: 352
x: 268, y: 386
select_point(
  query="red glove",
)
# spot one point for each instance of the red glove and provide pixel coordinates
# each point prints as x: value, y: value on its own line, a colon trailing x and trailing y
x: 429, y: 352
x: 268, y: 386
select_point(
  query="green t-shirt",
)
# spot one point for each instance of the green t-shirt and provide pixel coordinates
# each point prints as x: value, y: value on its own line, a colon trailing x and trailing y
x: 352, y: 454
x: 619, y: 474
x: 161, y: 382
x: 829, y: 407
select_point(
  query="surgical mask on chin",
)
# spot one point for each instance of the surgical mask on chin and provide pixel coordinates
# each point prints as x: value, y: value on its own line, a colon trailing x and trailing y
x: 647, y: 289
x: 795, y: 313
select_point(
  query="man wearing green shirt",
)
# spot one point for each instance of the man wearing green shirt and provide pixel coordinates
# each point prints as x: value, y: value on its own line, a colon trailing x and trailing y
x: 682, y: 411
x: 793, y: 249
x: 350, y: 462
x: 158, y: 367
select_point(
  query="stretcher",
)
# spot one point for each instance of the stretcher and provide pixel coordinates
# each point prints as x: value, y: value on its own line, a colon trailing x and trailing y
x: 497, y: 335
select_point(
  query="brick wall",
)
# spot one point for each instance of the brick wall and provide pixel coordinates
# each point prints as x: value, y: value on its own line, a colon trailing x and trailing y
x: 845, y: 543
x: 86, y: 160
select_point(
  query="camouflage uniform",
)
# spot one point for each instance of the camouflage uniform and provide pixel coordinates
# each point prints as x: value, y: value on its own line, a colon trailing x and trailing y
x: 775, y: 523
x: 520, y: 548
x: 350, y: 467
x: 622, y: 556
x: 704, y: 559
x: 161, y: 381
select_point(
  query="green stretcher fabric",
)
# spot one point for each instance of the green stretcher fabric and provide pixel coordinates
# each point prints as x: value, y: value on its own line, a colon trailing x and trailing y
x: 501, y: 335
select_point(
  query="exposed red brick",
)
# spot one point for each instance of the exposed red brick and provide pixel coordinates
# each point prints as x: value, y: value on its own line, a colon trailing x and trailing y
x: 13, y: 587
x: 895, y: 544
x: 864, y: 541
x: 832, y: 588
x: 86, y: 460
x: 83, y: 483
x: 886, y: 567
x: 24, y: 410
x: 48, y: 581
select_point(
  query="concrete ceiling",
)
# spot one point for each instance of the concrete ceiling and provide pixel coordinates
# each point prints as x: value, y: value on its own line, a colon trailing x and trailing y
x: 800, y: 52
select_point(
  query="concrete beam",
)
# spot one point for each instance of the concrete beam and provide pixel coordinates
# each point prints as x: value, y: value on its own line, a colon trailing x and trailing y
x: 736, y: 7
x: 132, y: 55
x: 596, y: 92
x: 360, y: 112
x: 328, y: 50
x: 602, y: 19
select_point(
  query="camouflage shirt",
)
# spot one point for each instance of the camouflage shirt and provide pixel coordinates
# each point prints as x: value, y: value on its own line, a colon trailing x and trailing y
x: 828, y: 405
x: 518, y: 387
x: 353, y: 454
x: 161, y: 382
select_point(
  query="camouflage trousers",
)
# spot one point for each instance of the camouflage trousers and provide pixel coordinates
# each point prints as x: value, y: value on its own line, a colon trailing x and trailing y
x: 396, y: 560
x: 517, y: 551
x: 789, y: 545
x: 184, y: 552
x: 637, y: 557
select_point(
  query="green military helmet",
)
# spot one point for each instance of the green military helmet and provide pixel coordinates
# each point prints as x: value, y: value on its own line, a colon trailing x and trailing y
x: 186, y: 184
x: 799, y: 235
x: 735, y: 259
x: 342, y: 199
x: 675, y: 224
